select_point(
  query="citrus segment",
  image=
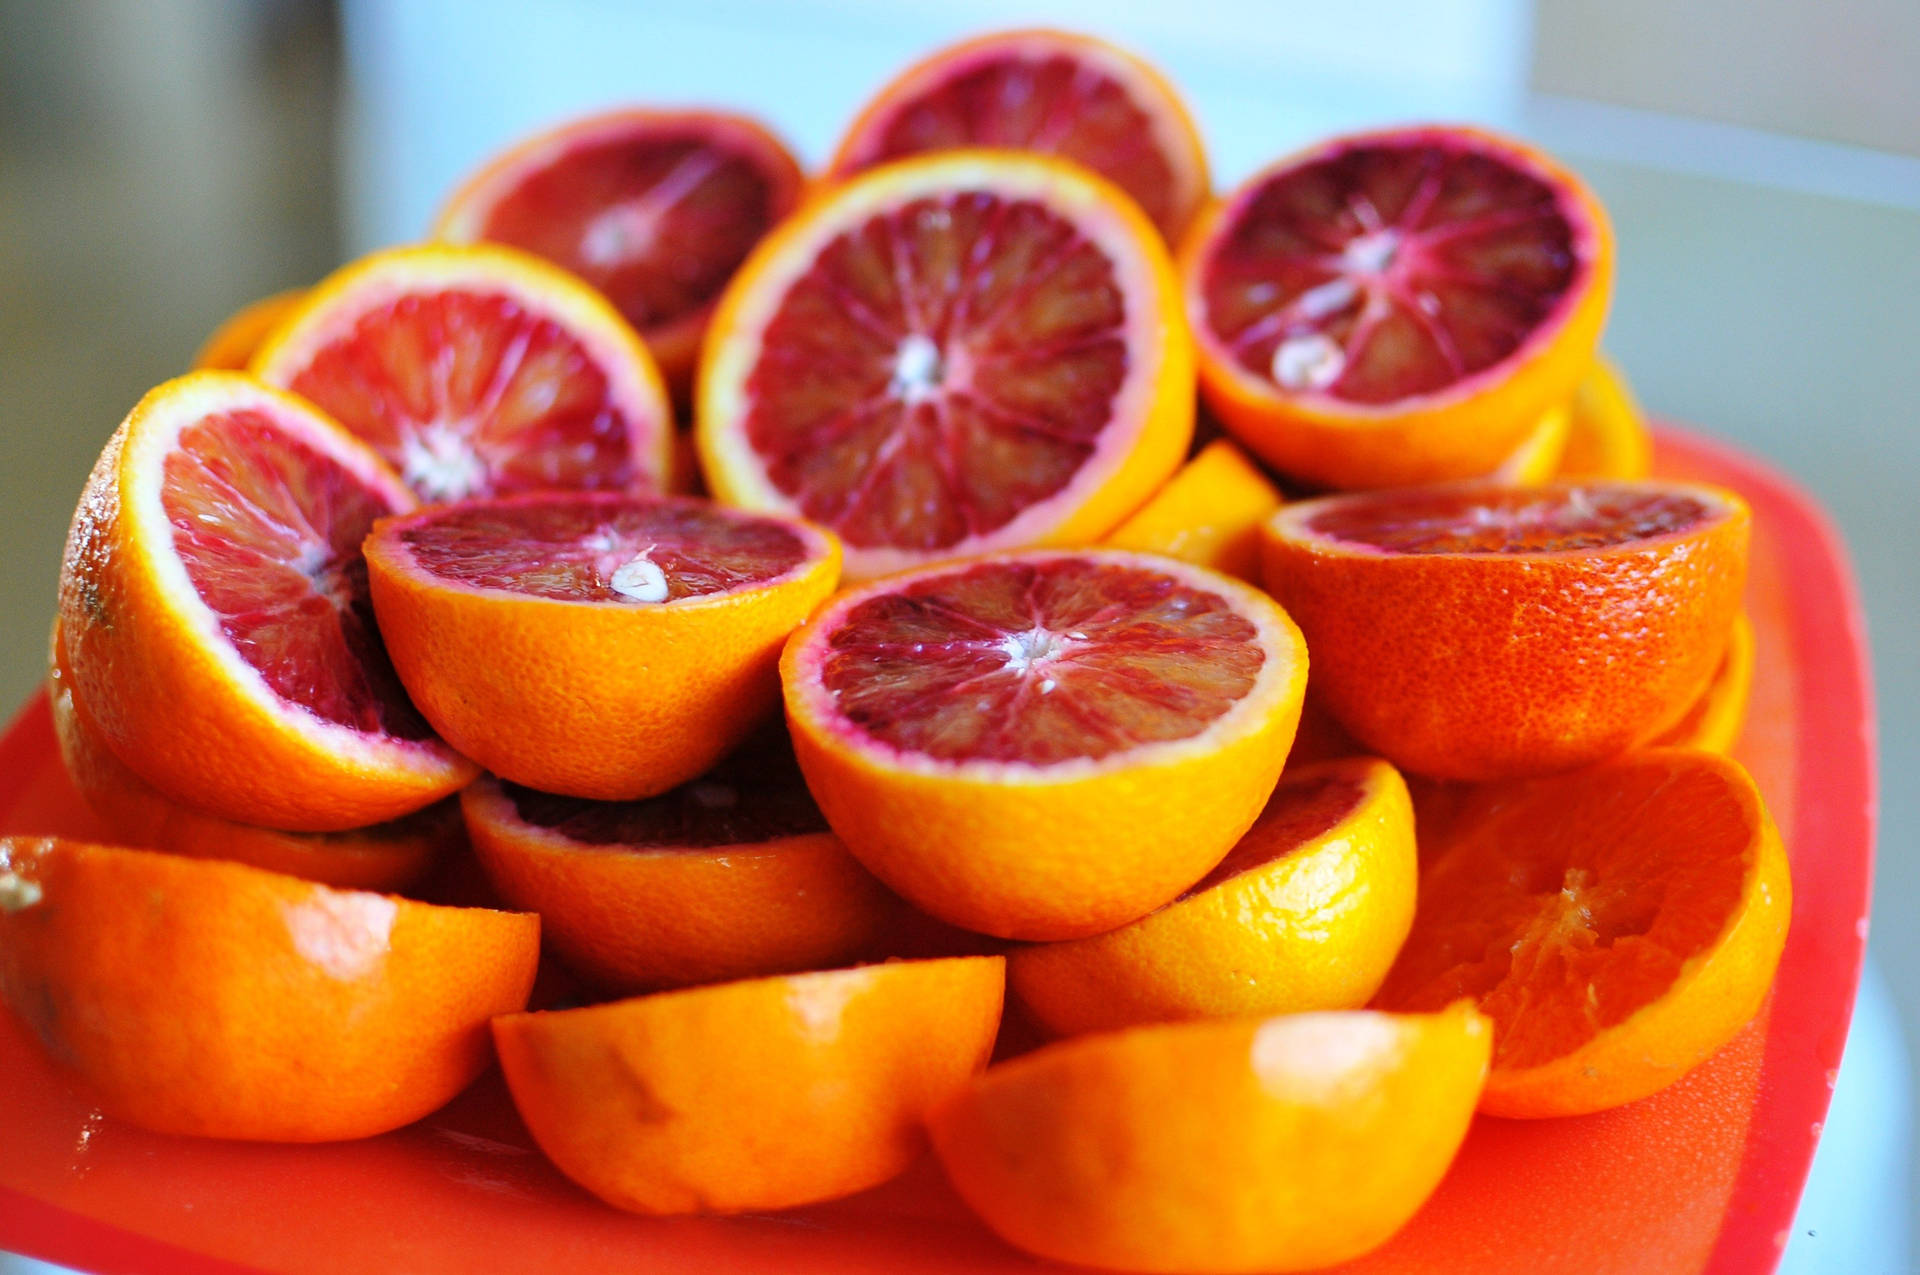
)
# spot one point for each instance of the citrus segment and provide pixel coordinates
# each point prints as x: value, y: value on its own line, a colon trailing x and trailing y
x: 1397, y: 307
x: 1051, y: 91
x: 1619, y: 924
x: 1208, y: 514
x: 1007, y: 742
x: 209, y: 998
x: 1307, y: 912
x: 947, y: 355
x: 655, y: 208
x: 732, y: 875
x: 1715, y: 720
x: 1277, y: 1144
x: 755, y: 1095
x: 231, y: 346
x: 595, y: 645
x: 1478, y: 631
x: 1537, y: 457
x: 1609, y: 437
x: 478, y: 371
x: 215, y: 616
x: 388, y: 856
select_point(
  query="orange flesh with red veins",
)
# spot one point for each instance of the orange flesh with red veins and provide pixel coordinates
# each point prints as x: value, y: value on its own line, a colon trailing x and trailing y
x: 269, y: 532
x: 1039, y: 662
x: 1505, y: 520
x: 1389, y: 269
x: 938, y: 370
x: 469, y: 394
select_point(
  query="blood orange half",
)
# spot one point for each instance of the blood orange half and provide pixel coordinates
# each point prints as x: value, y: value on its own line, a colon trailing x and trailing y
x: 953, y: 354
x: 1398, y: 307
x: 215, y: 614
x: 1479, y: 631
x: 655, y: 208
x: 593, y: 644
x: 478, y: 371
x: 1052, y: 91
x: 733, y: 875
x: 1015, y: 743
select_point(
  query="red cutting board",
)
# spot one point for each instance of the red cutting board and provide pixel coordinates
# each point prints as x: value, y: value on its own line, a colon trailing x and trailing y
x: 1702, y: 1177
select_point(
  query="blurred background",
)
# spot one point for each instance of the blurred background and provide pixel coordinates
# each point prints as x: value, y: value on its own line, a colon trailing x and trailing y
x: 164, y: 161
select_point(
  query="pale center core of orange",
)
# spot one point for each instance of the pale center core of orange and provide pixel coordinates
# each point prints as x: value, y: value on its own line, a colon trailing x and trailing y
x: 438, y: 461
x: 630, y: 230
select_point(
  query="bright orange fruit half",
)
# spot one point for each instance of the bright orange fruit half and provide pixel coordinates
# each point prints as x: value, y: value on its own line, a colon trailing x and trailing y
x: 655, y: 208
x: 215, y: 616
x: 1014, y: 743
x: 593, y: 644
x: 758, y: 1095
x: 1306, y: 913
x: 1619, y: 924
x: 732, y: 875
x: 947, y: 355
x: 1056, y: 92
x: 1397, y: 307
x: 1278, y: 1144
x: 478, y: 371
x: 201, y: 997
x: 1478, y: 631
x: 1609, y: 437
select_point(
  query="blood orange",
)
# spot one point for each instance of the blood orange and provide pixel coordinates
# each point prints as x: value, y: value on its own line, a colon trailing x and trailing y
x: 951, y: 354
x: 654, y: 208
x: 478, y: 371
x: 1013, y: 743
x: 1398, y: 307
x: 1477, y: 631
x: 730, y: 876
x: 1052, y: 91
x: 215, y: 615
x: 594, y: 644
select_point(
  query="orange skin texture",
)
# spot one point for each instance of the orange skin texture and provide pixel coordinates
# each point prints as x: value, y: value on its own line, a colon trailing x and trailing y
x: 1715, y: 720
x: 1183, y: 149
x: 1619, y: 925
x: 587, y: 699
x: 209, y: 998
x: 1242, y: 1145
x: 1161, y: 432
x: 1609, y: 437
x: 1494, y: 665
x: 160, y: 694
x: 1208, y: 514
x: 230, y: 347
x: 388, y: 856
x: 675, y: 345
x: 1429, y: 438
x: 1315, y: 927
x: 1048, y: 856
x: 641, y: 918
x: 757, y: 1095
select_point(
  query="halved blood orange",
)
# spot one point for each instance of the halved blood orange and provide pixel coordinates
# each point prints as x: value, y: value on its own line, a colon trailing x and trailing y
x: 1277, y: 1144
x: 594, y: 644
x: 231, y: 346
x: 215, y: 616
x: 948, y: 355
x: 1013, y: 743
x: 478, y: 371
x: 1306, y: 913
x: 655, y: 208
x: 1208, y: 514
x: 1609, y: 437
x: 1619, y: 924
x: 756, y: 1095
x: 1397, y: 307
x: 732, y: 875
x: 387, y: 856
x: 200, y: 997
x: 1057, y: 92
x: 1479, y: 631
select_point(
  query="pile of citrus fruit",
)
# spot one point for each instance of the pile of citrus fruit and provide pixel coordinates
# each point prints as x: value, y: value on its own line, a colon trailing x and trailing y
x: 1306, y: 826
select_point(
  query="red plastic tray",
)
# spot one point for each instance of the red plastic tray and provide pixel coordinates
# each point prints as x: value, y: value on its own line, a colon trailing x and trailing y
x: 1702, y: 1177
